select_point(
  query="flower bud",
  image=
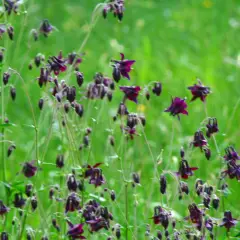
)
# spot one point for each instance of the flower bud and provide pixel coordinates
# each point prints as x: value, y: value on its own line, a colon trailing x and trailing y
x: 40, y: 103
x: 13, y: 93
x: 163, y: 184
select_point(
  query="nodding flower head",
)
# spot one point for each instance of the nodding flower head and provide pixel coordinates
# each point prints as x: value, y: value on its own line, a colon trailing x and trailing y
x: 177, y: 107
x: 97, y: 224
x: 161, y: 216
x: 233, y: 171
x: 131, y: 93
x: 122, y: 68
x: 199, y: 140
x: 196, y: 215
x: 3, y: 209
x: 199, y: 91
x: 157, y: 89
x: 212, y: 127
x: 115, y: 6
x: 72, y: 203
x: 29, y: 169
x: 19, y: 201
x: 46, y: 28
x: 57, y: 65
x: 185, y: 170
x: 231, y: 154
x: 228, y: 221
x: 12, y: 6
x: 75, y: 231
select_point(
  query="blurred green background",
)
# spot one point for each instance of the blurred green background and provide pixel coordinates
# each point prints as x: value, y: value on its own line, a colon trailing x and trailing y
x: 173, y: 42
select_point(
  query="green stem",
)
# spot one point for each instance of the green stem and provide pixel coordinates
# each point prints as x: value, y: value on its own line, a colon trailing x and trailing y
x: 23, y: 223
x: 126, y: 209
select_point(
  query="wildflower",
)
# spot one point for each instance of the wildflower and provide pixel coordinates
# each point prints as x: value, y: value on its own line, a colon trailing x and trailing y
x: 72, y: 203
x: 10, y: 31
x: 185, y: 170
x: 57, y: 65
x: 28, y: 190
x: 40, y: 103
x: 163, y: 184
x: 46, y: 28
x: 212, y: 127
x: 215, y: 202
x: 79, y: 109
x: 34, y: 203
x: 199, y: 187
x: 209, y: 224
x: 233, y: 171
x: 115, y: 6
x: 80, y: 78
x: 122, y: 67
x: 195, y: 215
x: 97, y: 224
x: 29, y: 170
x: 122, y: 109
x: 199, y: 91
x: 228, y: 221
x: 6, y: 77
x: 131, y: 93
x: 71, y: 94
x: 44, y: 77
x: 207, y: 153
x: 10, y: 150
x: 136, y: 178
x: 73, y: 59
x: 72, y: 183
x: 19, y: 201
x: 3, y: 209
x: 130, y: 132
x: 199, y: 140
x: 75, y: 231
x: 157, y: 89
x: 161, y: 216
x: 97, y: 178
x: 90, y: 169
x: 183, y: 187
x: 13, y: 93
x: 177, y: 107
x: 12, y: 5
x: 231, y: 154
x: 60, y: 161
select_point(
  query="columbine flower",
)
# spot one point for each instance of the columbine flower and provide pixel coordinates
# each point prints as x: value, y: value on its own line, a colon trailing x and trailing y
x: 231, y: 154
x: 130, y: 132
x: 29, y: 170
x: 228, y: 221
x: 195, y: 215
x: 97, y: 178
x: 11, y: 5
x: 131, y: 93
x: 233, y: 171
x: 161, y: 216
x: 199, y: 140
x: 57, y: 65
x: 115, y: 6
x: 75, y: 231
x: 72, y: 203
x: 44, y: 77
x: 209, y: 224
x: 212, y: 127
x: 177, y: 107
x: 199, y: 91
x: 122, y: 67
x: 46, y: 28
x: 3, y: 209
x: 19, y: 201
x: 185, y: 170
x: 97, y: 224
x: 72, y: 183
x: 157, y: 89
x: 90, y: 170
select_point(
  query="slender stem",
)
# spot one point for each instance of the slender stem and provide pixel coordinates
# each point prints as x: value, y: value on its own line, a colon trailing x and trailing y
x: 24, y: 221
x: 126, y: 209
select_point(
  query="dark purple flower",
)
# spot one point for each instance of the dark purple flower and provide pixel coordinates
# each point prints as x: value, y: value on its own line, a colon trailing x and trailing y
x: 212, y: 127
x: 72, y: 203
x: 199, y: 91
x: 161, y: 216
x: 122, y: 67
x: 97, y: 224
x: 73, y: 58
x: 97, y: 178
x: 195, y: 215
x: 233, y: 171
x: 29, y: 170
x: 19, y: 201
x: 207, y: 153
x: 177, y: 107
x: 185, y: 170
x: 44, y: 77
x: 209, y: 224
x: 90, y: 210
x: 199, y: 140
x: 131, y: 93
x: 75, y: 231
x: 157, y: 89
x: 130, y: 132
x: 90, y: 170
x: 228, y: 221
x: 46, y: 28
x: 11, y: 5
x: 57, y: 64
x: 3, y: 209
x: 72, y: 183
x: 163, y: 184
x: 122, y: 109
x: 115, y: 6
x: 231, y: 154
x: 60, y: 161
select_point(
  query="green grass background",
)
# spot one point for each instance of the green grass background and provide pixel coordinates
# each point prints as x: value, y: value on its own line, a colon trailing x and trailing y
x: 172, y: 42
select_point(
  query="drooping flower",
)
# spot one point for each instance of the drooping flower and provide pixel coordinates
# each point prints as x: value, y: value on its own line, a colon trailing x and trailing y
x: 12, y: 5
x: 185, y: 170
x: 131, y: 93
x: 161, y: 216
x: 46, y: 28
x: 72, y: 203
x: 72, y: 183
x: 90, y: 170
x: 209, y: 224
x: 122, y: 67
x: 157, y: 89
x: 199, y: 140
x: 131, y: 132
x: 19, y: 201
x: 97, y: 178
x: 199, y: 91
x: 115, y: 6
x: 177, y: 107
x: 212, y: 127
x: 29, y: 169
x: 3, y: 209
x: 228, y: 221
x: 57, y: 64
x: 75, y: 231
x: 97, y: 224
x: 231, y: 154
x: 233, y: 170
x: 196, y: 215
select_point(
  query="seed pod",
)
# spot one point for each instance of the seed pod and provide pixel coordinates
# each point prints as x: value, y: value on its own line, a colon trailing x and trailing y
x: 112, y: 85
x: 199, y: 187
x: 80, y: 78
x: 40, y: 103
x: 183, y: 188
x: 10, y: 150
x: 113, y: 195
x: 60, y: 161
x: 10, y: 31
x: 13, y: 93
x: 29, y: 190
x: 174, y: 223
x: 29, y: 236
x: 6, y: 77
x: 19, y: 201
x: 34, y: 203
x: 118, y: 233
x: 143, y: 120
x: 163, y: 184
